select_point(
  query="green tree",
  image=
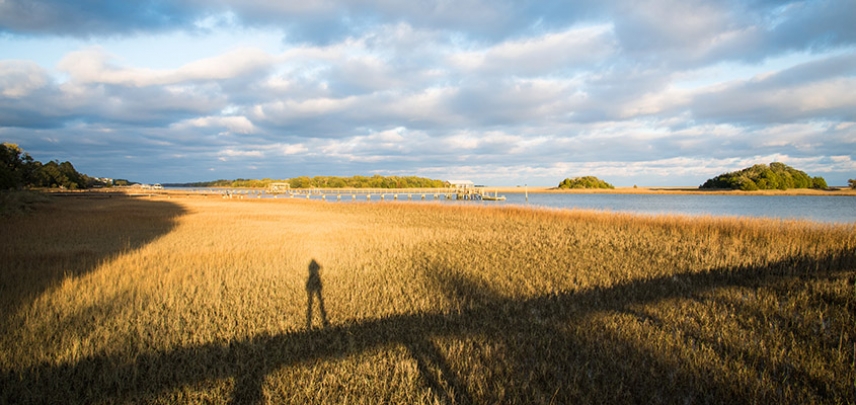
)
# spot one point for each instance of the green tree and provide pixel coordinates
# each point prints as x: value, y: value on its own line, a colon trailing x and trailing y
x: 776, y: 175
x: 819, y: 183
x: 16, y: 167
x: 852, y: 183
x: 584, y: 182
x: 300, y: 182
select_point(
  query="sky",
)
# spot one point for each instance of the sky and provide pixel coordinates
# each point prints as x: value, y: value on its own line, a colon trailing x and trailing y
x: 503, y: 93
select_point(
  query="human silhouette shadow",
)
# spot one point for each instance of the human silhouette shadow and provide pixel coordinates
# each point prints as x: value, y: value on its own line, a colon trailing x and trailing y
x: 313, y: 291
x: 31, y: 273
x: 569, y: 366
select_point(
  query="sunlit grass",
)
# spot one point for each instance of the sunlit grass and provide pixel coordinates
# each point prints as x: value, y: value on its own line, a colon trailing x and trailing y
x: 205, y: 300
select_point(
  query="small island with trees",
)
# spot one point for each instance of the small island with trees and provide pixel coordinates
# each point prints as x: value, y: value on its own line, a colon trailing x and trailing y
x: 775, y: 176
x: 584, y: 182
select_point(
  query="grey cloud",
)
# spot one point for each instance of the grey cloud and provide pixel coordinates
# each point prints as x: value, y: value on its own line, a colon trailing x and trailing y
x: 687, y: 34
x: 815, y: 90
x: 815, y: 25
x: 684, y: 33
x: 511, y: 103
x: 615, y: 93
x: 352, y: 77
x: 88, y: 18
x: 155, y: 106
x: 813, y: 71
x: 310, y: 22
x: 53, y: 106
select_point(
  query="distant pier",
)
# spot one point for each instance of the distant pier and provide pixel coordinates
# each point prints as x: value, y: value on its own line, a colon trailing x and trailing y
x: 369, y: 194
x: 385, y: 194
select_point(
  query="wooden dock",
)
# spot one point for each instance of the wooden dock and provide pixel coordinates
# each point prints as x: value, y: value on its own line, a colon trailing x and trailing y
x: 370, y: 194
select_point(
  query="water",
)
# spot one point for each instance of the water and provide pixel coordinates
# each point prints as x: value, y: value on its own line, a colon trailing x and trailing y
x: 829, y: 209
x: 832, y: 209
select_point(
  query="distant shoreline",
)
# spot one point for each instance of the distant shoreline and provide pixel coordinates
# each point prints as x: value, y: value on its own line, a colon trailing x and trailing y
x: 833, y: 191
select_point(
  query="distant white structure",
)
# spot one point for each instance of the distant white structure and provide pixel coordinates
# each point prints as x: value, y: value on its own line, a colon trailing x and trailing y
x: 461, y: 184
x: 279, y: 187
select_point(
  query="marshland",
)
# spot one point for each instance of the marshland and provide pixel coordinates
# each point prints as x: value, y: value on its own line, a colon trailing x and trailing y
x: 109, y: 298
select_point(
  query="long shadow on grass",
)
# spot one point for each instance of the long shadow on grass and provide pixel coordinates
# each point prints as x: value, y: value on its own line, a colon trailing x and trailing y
x: 105, y: 226
x: 529, y: 351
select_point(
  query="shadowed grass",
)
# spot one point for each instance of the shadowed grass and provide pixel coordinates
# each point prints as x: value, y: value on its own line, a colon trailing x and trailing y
x: 70, y: 238
x: 449, y: 304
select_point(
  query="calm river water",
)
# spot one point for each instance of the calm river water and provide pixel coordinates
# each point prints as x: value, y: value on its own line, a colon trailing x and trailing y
x: 830, y: 209
x: 840, y: 209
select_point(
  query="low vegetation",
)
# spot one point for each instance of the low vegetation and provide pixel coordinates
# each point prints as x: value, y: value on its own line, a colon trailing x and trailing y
x: 156, y: 300
x: 19, y: 202
x: 584, y: 182
x: 776, y: 176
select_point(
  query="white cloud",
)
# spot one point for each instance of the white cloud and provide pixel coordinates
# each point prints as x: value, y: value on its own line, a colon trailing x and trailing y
x: 19, y: 78
x: 239, y: 153
x: 754, y: 101
x: 235, y: 124
x: 295, y: 149
x: 549, y: 53
x: 92, y: 65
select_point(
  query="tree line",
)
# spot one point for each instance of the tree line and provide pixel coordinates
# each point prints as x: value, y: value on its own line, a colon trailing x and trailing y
x: 19, y: 170
x: 375, y: 181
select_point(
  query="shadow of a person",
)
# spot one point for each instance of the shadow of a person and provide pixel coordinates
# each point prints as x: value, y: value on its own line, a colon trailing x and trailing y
x: 313, y: 289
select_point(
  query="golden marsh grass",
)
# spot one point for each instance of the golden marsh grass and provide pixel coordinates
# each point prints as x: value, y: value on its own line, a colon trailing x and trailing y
x: 162, y: 300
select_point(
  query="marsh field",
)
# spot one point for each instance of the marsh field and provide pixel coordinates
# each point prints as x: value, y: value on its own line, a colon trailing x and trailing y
x: 107, y: 298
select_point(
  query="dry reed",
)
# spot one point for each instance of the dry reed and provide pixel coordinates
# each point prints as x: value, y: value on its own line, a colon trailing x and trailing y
x: 115, y: 300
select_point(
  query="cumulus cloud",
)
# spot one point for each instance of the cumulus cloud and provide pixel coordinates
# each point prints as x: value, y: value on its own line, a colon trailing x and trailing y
x: 20, y: 78
x: 500, y: 91
x: 92, y: 66
x: 235, y: 124
x: 573, y: 49
x: 815, y: 90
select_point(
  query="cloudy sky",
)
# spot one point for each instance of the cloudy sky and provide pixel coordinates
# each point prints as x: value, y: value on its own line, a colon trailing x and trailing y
x: 652, y: 92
